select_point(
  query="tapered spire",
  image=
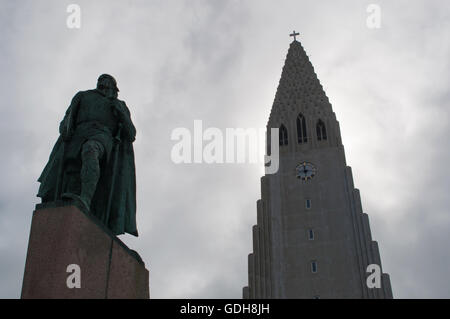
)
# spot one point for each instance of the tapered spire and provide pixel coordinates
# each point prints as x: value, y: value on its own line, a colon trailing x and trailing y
x: 299, y: 86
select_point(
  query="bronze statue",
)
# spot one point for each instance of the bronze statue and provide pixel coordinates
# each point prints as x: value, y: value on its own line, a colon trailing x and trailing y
x: 92, y: 162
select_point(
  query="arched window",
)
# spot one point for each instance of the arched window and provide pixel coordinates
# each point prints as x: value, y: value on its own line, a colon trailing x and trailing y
x: 321, y: 131
x: 283, y: 135
x: 301, y: 129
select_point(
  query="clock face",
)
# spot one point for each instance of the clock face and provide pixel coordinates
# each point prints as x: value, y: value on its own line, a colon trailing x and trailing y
x: 305, y: 171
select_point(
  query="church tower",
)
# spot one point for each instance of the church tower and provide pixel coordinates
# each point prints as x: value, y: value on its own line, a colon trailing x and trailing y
x: 312, y: 239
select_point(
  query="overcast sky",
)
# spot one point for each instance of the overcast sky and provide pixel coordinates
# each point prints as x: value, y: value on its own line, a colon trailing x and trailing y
x: 220, y: 62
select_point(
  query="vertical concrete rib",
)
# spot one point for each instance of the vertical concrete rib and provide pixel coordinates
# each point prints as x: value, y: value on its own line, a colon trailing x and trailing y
x: 251, y: 276
x: 364, y: 239
x: 376, y: 260
x: 257, y: 264
x: 268, y: 284
x: 386, y: 285
x: 373, y: 257
x: 245, y: 293
x: 356, y: 231
x: 262, y: 245
x: 265, y: 230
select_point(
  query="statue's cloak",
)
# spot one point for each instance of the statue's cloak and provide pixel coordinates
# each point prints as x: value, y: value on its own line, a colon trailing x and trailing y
x: 122, y: 217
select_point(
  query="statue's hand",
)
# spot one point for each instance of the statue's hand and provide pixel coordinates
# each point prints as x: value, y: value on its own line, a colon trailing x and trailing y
x: 117, y: 107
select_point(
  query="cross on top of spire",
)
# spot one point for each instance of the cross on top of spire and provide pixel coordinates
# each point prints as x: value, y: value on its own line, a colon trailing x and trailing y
x: 294, y: 34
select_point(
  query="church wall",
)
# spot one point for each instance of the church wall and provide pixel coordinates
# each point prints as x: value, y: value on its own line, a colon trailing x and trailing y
x: 280, y: 265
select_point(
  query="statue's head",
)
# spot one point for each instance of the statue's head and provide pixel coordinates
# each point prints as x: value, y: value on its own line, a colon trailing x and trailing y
x: 108, y: 85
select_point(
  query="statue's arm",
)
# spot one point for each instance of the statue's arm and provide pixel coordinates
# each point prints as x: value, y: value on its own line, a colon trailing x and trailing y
x: 66, y: 127
x: 127, y: 125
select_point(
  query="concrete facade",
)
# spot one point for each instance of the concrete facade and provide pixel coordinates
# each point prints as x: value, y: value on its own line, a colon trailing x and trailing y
x: 62, y: 236
x: 312, y: 239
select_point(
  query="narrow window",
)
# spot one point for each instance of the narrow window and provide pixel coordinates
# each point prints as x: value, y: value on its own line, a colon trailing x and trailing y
x: 301, y: 129
x: 283, y: 135
x: 314, y: 266
x: 321, y: 131
x: 310, y: 234
x: 308, y: 204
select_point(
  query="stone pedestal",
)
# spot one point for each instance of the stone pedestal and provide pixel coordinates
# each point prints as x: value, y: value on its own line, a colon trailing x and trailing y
x: 63, y: 236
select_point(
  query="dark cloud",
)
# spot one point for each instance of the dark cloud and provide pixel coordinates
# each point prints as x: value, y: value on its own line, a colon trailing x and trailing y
x: 220, y: 62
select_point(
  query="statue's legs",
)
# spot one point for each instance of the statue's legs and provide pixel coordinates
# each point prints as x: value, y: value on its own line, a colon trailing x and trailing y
x: 71, y: 179
x: 91, y: 153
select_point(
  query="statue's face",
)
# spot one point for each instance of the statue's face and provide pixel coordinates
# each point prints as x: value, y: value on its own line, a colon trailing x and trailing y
x: 109, y: 88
